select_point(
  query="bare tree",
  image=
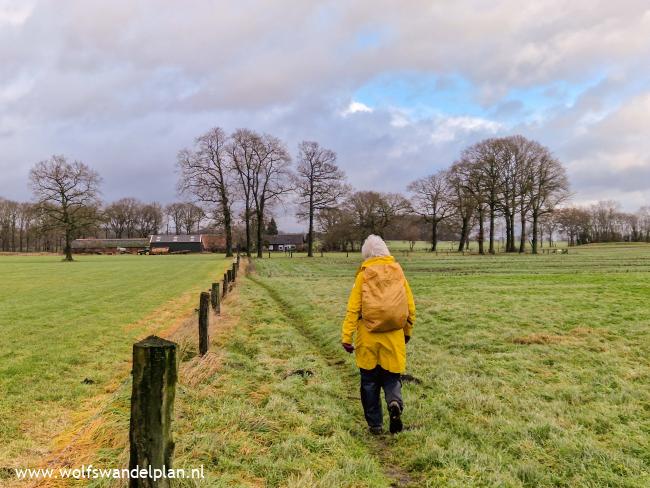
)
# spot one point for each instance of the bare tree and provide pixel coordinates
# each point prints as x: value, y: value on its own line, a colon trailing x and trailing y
x: 463, y: 201
x: 374, y: 212
x: 486, y: 158
x: 319, y: 184
x: 271, y: 178
x: 68, y: 193
x: 191, y: 217
x: 431, y: 197
x: 204, y: 175
x: 549, y: 187
x: 122, y: 216
x: 150, y: 217
x: 242, y: 163
x: 175, y: 213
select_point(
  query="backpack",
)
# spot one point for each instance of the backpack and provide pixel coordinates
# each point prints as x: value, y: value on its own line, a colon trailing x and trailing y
x: 384, y: 305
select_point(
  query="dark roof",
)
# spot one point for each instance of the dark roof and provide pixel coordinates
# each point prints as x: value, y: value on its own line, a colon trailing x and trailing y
x: 106, y: 243
x: 295, y: 239
x: 163, y: 239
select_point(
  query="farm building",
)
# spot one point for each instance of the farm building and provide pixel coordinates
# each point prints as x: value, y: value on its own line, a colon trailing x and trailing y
x: 108, y: 246
x: 285, y: 242
x: 187, y: 243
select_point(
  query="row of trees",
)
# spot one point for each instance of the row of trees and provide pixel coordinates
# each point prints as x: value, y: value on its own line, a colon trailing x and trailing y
x: 25, y: 227
x: 603, y: 222
x: 512, y: 178
x: 508, y: 185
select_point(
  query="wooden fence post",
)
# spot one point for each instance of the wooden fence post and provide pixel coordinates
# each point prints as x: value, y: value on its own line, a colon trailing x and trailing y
x: 204, y: 320
x: 229, y: 273
x: 234, y: 272
x: 152, y: 405
x: 225, y: 285
x: 216, y: 295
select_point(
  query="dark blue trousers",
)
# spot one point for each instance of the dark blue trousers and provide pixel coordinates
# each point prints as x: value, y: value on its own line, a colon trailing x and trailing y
x: 372, y: 381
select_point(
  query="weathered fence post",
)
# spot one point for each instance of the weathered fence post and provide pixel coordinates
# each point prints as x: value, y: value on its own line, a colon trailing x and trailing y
x: 215, y: 296
x: 234, y: 272
x: 225, y: 285
x: 204, y: 318
x: 152, y: 405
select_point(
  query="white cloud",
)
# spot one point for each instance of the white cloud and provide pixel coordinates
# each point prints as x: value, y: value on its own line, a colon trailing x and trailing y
x: 448, y: 129
x: 355, y: 107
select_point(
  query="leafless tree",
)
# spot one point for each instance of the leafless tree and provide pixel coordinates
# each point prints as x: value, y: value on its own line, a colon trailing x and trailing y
x: 486, y: 159
x: 549, y: 187
x: 68, y: 193
x: 320, y: 184
x: 122, y: 216
x: 271, y: 178
x: 204, y: 174
x: 463, y: 201
x: 242, y: 162
x: 374, y: 212
x: 175, y: 214
x: 431, y: 197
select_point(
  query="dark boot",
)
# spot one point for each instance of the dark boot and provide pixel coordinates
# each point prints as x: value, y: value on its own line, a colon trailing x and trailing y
x: 395, y: 412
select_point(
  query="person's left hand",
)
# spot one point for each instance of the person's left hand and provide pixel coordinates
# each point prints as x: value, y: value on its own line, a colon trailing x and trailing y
x: 349, y: 348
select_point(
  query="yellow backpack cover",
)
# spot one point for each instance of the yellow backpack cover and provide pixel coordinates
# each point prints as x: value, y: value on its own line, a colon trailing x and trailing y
x: 384, y: 305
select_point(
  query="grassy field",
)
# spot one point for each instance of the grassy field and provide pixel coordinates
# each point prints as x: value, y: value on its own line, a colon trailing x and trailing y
x: 523, y: 371
x: 527, y: 371
x: 63, y: 323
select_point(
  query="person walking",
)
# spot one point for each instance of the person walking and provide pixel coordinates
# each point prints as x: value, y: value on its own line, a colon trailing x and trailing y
x: 379, y: 322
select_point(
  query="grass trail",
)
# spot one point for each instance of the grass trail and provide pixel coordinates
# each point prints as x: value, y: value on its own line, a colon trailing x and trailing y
x: 379, y: 447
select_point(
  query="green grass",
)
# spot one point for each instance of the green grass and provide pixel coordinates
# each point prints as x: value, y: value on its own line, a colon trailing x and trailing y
x: 64, y: 322
x: 532, y: 371
x: 529, y: 371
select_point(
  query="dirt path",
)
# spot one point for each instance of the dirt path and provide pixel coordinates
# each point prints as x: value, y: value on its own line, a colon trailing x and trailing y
x: 377, y: 446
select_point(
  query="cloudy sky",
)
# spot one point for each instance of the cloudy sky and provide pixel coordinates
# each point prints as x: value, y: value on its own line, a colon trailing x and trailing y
x: 397, y: 89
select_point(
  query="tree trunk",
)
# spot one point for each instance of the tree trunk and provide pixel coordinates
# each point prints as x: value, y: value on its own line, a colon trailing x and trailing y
x: 492, y: 228
x: 481, y: 232
x: 260, y: 225
x: 463, y: 234
x: 228, y: 228
x: 512, y: 233
x: 68, y: 246
x: 522, y: 237
x: 310, y: 235
x: 434, y: 235
x: 247, y: 217
x: 535, y: 231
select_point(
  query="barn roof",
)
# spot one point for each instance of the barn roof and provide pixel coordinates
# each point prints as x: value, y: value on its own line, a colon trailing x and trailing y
x: 166, y: 239
x: 295, y: 239
x: 108, y: 243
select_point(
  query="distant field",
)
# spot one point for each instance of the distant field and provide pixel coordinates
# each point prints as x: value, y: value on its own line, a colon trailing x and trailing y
x: 62, y: 323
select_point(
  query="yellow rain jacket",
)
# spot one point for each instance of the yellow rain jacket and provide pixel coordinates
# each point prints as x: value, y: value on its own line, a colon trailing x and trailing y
x: 386, y: 349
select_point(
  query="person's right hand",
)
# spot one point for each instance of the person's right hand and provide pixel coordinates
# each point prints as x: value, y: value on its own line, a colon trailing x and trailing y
x: 349, y: 348
x: 407, y: 339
